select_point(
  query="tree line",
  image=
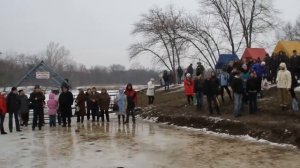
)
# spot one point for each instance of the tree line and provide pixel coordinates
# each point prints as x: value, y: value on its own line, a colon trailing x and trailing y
x: 14, y: 66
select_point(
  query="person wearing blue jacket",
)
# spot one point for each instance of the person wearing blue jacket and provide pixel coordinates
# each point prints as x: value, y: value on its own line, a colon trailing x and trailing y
x: 224, y: 83
x: 261, y: 72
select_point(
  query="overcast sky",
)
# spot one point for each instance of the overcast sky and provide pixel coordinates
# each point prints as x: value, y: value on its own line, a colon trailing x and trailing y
x: 97, y: 32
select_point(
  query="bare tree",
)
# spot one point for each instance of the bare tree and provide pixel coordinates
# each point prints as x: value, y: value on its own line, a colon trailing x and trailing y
x: 290, y: 31
x: 241, y: 20
x: 56, y: 55
x: 159, y: 29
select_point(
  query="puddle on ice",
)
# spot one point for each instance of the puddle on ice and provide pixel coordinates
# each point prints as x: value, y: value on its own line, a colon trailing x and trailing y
x: 143, y: 145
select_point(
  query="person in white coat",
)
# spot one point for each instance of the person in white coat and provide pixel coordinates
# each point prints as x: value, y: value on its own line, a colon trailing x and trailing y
x: 150, y: 91
x: 284, y: 83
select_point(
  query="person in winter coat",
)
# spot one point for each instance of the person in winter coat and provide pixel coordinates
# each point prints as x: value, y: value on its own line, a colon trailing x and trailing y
x: 150, y: 91
x: 3, y: 110
x: 88, y: 103
x: 94, y: 98
x: 80, y: 106
x: 58, y: 114
x: 252, y: 89
x: 198, y: 89
x: 24, y: 108
x: 224, y: 82
x: 211, y: 87
x: 189, y: 88
x: 190, y: 70
x: 282, y: 57
x: 167, y: 80
x: 179, y: 74
x: 131, y: 102
x: 104, y: 102
x: 36, y: 99
x: 200, y: 69
x: 65, y: 101
x: 52, y: 104
x: 293, y: 86
x: 295, y: 64
x: 121, y: 101
x: 261, y: 72
x: 274, y: 67
x: 284, y: 82
x: 238, y: 89
x: 13, y: 106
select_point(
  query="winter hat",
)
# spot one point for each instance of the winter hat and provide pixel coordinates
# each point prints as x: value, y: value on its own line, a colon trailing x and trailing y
x: 263, y: 63
x: 282, y: 65
x: 188, y: 75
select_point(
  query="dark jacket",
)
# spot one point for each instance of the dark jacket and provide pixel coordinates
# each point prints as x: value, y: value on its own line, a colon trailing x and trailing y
x: 24, y: 104
x: 166, y: 76
x: 237, y: 85
x: 88, y: 100
x: 179, y: 72
x: 190, y: 70
x: 94, y: 99
x: 252, y: 84
x: 37, y: 100
x: 199, y: 70
x: 198, y: 85
x: 211, y: 86
x: 12, y: 102
x: 80, y: 102
x: 295, y: 63
x: 104, y: 101
x: 65, y: 101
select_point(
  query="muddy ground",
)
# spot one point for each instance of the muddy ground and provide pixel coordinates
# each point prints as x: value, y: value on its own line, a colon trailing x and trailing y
x: 270, y: 123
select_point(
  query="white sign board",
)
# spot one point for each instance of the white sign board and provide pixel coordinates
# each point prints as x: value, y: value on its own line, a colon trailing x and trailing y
x: 42, y: 75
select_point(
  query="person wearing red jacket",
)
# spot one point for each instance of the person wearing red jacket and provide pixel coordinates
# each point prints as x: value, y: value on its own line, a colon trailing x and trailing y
x: 189, y: 88
x: 3, y: 110
x: 131, y: 102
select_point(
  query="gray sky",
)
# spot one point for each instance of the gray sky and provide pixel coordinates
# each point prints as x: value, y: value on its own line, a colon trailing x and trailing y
x: 97, y: 32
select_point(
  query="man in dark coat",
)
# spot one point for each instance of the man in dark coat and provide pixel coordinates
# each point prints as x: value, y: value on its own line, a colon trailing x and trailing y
x: 104, y: 102
x: 237, y: 87
x: 252, y: 89
x: 295, y: 64
x: 65, y: 101
x: 37, y: 101
x: 179, y: 74
x: 190, y: 69
x: 210, y: 88
x: 167, y: 80
x: 24, y: 108
x: 13, y: 105
x: 200, y: 69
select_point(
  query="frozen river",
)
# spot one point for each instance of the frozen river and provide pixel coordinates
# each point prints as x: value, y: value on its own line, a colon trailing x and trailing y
x: 143, y: 145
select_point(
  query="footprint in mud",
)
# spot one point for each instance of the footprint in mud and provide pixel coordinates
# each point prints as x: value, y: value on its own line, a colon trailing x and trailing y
x: 25, y: 149
x: 98, y: 150
x: 23, y: 138
x: 92, y: 143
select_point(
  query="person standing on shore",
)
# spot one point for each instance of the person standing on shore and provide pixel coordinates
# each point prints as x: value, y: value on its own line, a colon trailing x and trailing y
x: 65, y: 105
x: 210, y: 88
x: 80, y: 105
x: 179, y: 74
x: 198, y: 89
x: 284, y: 83
x: 13, y: 106
x: 121, y: 101
x: 24, y: 108
x: 150, y: 91
x: 88, y: 103
x: 52, y: 104
x: 189, y: 89
x: 131, y: 102
x: 37, y: 99
x: 94, y: 98
x: 252, y: 89
x: 104, y: 102
x: 3, y: 110
x: 238, y: 89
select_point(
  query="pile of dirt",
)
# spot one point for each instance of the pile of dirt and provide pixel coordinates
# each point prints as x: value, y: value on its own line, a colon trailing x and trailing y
x: 270, y: 123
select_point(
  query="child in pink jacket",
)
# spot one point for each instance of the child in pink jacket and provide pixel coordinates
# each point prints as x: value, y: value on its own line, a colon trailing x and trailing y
x: 52, y: 104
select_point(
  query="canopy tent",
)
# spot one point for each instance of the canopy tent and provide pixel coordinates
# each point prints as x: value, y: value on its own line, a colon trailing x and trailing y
x: 224, y: 59
x: 287, y: 47
x: 254, y: 53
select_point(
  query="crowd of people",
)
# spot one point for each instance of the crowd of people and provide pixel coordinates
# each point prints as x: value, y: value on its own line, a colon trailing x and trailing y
x: 247, y: 79
x: 92, y: 104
